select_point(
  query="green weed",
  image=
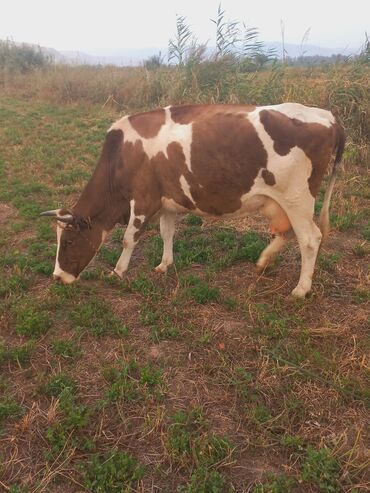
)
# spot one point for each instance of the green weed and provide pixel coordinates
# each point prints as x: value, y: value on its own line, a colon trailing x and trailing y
x: 328, y: 261
x: 271, y: 323
x: 9, y: 409
x: 188, y: 437
x: 144, y: 286
x: 198, y: 290
x: 260, y: 414
x: 66, y: 349
x: 293, y: 441
x: 360, y: 295
x: 131, y: 383
x: 17, y: 354
x: 192, y: 220
x: 74, y: 417
x: 204, y: 480
x: 322, y: 469
x: 16, y: 488
x: 12, y: 285
x: 60, y: 384
x: 161, y: 324
x: 32, y: 321
x: 275, y: 484
x: 96, y: 317
x: 111, y: 472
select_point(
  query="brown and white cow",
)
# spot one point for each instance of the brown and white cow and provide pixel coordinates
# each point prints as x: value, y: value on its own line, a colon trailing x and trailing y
x: 218, y: 160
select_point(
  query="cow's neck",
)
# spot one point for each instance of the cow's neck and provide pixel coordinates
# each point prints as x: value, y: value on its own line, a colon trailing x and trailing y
x: 102, y: 201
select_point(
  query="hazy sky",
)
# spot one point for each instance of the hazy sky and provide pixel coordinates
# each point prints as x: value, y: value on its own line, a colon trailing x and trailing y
x: 109, y: 25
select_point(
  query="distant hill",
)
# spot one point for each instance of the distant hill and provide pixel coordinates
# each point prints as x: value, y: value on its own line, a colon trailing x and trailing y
x: 134, y: 57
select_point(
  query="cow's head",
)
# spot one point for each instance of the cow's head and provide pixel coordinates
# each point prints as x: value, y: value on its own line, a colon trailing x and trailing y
x: 79, y: 239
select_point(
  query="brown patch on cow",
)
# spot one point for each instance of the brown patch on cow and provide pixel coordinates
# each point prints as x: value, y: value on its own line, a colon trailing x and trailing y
x: 148, y: 124
x: 188, y: 114
x: 137, y: 223
x: 226, y: 157
x: 268, y: 177
x: 93, y: 200
x: 316, y: 141
x: 168, y: 171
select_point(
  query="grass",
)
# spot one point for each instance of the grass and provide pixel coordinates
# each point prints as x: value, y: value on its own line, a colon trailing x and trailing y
x: 9, y: 409
x: 96, y: 317
x: 16, y: 354
x: 32, y: 321
x: 130, y: 383
x: 209, y: 375
x: 112, y: 472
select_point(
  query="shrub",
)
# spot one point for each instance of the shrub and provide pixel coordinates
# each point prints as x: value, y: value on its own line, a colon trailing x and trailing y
x: 21, y: 57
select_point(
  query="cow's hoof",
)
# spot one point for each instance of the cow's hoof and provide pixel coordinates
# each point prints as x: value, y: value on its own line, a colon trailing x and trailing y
x: 161, y: 269
x: 299, y: 292
x: 261, y: 267
x: 114, y: 273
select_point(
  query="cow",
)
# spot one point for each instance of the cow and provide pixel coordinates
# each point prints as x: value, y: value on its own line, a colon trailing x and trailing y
x: 208, y: 160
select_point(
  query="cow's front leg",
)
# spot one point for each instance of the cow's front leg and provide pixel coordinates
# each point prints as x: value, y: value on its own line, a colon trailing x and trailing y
x: 130, y: 238
x: 167, y: 227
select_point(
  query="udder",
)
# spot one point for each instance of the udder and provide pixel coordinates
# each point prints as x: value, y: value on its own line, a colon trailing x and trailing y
x: 280, y: 223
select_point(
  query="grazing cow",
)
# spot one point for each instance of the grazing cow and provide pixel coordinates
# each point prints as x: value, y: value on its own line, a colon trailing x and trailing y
x: 218, y: 160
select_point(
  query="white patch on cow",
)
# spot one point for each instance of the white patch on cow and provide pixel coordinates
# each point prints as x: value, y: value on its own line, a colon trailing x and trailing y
x: 132, y: 209
x: 303, y: 113
x: 291, y: 171
x: 168, y: 133
x: 129, y: 241
x: 59, y: 273
x: 185, y: 187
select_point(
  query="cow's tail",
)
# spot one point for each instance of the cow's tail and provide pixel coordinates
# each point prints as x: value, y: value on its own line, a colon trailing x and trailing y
x: 324, y: 214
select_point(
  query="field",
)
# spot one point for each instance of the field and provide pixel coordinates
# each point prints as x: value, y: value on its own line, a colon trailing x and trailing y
x: 208, y: 379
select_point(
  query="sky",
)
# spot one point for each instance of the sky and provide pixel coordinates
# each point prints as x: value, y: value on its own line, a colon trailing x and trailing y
x: 102, y: 27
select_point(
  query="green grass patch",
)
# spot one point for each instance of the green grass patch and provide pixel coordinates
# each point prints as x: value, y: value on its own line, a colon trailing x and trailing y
x: 199, y: 290
x: 66, y: 349
x: 275, y: 484
x: 217, y: 248
x: 129, y: 382
x: 73, y: 418
x: 12, y: 285
x: 96, y: 317
x: 60, y: 384
x: 322, y: 469
x: 9, y: 409
x: 16, y: 354
x: 189, y: 439
x: 32, y: 320
x: 205, y: 480
x: 112, y: 472
x: 162, y: 326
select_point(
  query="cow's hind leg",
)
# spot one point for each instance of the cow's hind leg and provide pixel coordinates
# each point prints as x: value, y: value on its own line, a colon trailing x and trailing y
x: 309, y: 239
x: 167, y: 227
x: 268, y: 254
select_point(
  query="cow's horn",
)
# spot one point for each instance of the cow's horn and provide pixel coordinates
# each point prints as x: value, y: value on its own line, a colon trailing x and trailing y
x: 64, y: 218
x: 53, y: 213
